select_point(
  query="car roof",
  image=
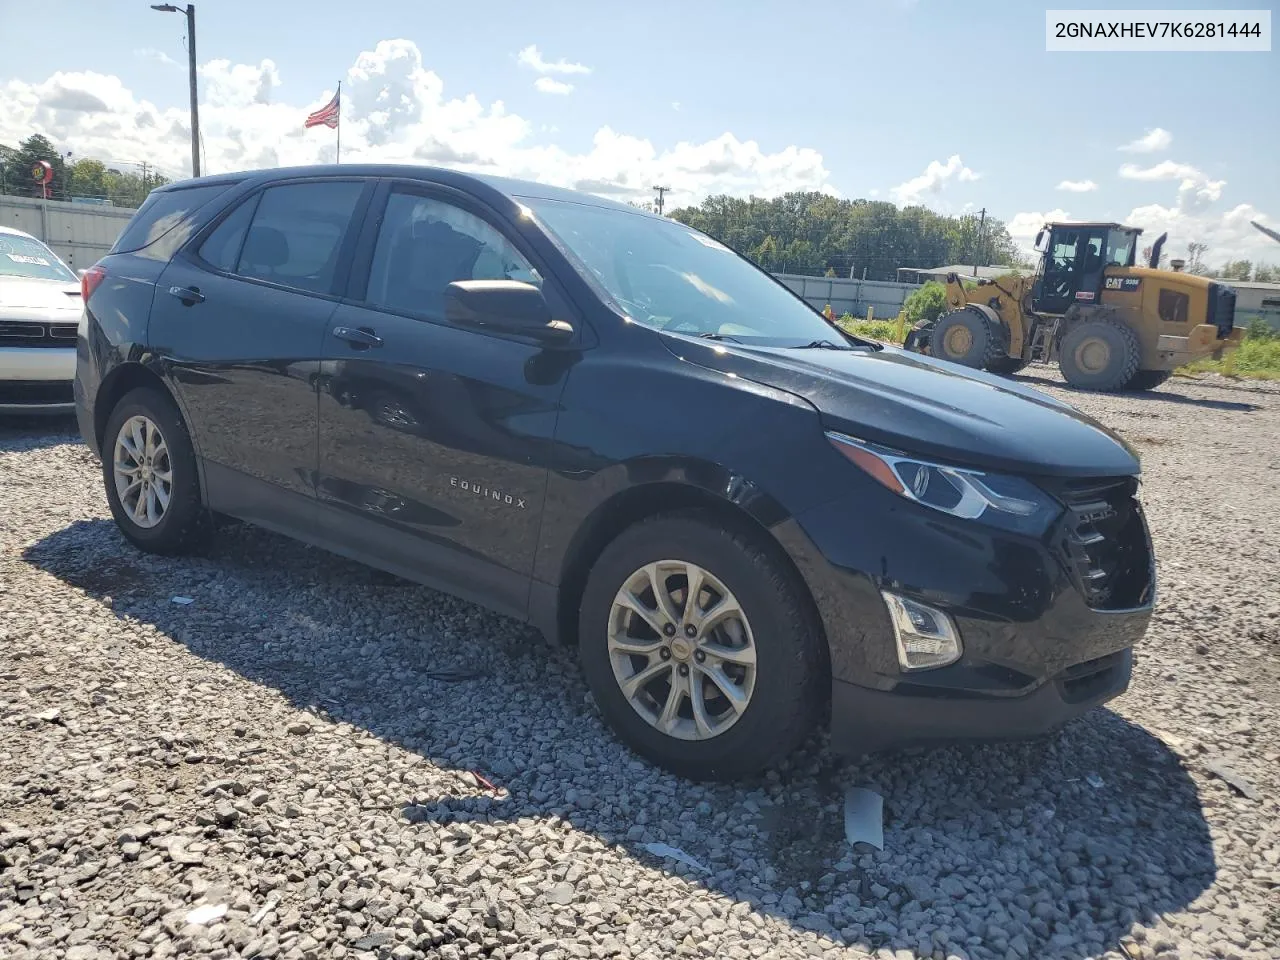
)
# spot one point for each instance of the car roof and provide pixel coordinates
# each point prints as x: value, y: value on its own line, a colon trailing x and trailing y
x: 14, y: 232
x: 511, y: 188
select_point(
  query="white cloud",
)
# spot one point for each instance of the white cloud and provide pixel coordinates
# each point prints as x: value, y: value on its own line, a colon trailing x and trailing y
x: 394, y: 110
x: 675, y: 105
x: 1078, y: 186
x: 935, y: 177
x: 159, y: 56
x: 1150, y: 142
x: 531, y: 57
x: 1164, y: 170
x: 1229, y: 235
x: 552, y: 85
x: 1195, y: 189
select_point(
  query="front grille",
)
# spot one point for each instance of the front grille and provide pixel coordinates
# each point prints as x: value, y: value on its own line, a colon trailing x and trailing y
x: 1104, y: 542
x: 34, y: 333
x: 35, y: 392
x: 1222, y: 308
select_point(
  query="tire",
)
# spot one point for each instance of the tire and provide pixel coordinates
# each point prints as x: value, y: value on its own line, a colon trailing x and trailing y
x: 183, y: 524
x: 787, y: 692
x: 969, y: 338
x: 1148, y: 379
x: 1007, y: 365
x: 1101, y: 355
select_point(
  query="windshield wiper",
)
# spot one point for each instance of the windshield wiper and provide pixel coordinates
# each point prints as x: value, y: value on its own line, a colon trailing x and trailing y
x: 823, y: 345
x: 718, y: 336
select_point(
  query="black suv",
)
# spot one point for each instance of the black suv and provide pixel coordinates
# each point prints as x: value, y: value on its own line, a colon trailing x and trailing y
x: 610, y: 425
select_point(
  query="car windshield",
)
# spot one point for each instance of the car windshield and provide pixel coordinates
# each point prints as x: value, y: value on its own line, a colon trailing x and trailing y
x: 669, y: 276
x: 28, y: 257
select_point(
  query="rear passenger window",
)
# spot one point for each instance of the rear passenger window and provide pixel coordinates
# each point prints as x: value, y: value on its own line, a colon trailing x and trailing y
x: 296, y: 234
x: 221, y: 248
x: 161, y: 212
x: 425, y: 244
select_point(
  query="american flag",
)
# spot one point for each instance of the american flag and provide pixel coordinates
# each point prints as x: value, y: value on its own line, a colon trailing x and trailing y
x: 327, y: 116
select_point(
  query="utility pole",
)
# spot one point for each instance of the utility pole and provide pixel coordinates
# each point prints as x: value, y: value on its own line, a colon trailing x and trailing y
x: 982, y: 224
x: 144, y: 178
x: 661, y: 192
x: 190, y: 11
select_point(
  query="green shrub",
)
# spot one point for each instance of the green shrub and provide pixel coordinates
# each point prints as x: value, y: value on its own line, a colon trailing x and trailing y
x: 1259, y: 329
x: 927, y: 303
x: 884, y: 330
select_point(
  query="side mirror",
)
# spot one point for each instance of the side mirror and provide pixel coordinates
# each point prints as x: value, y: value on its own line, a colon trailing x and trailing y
x: 503, y: 306
x: 1041, y: 237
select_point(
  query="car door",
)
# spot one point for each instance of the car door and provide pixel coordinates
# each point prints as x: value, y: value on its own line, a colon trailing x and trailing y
x: 240, y: 316
x: 434, y: 439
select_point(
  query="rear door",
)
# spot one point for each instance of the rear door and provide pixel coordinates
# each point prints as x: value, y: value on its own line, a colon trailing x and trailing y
x: 239, y: 317
x: 434, y: 439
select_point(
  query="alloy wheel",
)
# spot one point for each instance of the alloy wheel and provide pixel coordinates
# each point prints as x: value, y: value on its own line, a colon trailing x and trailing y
x: 142, y: 471
x: 682, y: 650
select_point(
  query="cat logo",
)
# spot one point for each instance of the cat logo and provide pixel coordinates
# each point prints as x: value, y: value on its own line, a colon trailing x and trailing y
x: 1124, y: 284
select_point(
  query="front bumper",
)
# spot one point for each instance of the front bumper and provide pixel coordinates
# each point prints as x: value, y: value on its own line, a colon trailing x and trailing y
x: 1035, y: 653
x: 37, y: 379
x: 866, y: 721
x: 1203, y: 341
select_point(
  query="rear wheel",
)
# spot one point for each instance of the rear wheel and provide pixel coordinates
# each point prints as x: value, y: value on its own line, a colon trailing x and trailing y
x: 1148, y: 379
x: 969, y: 338
x: 149, y: 468
x: 700, y: 648
x: 1100, y: 355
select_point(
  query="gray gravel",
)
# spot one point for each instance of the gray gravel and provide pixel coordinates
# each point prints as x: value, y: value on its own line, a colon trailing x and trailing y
x: 311, y: 746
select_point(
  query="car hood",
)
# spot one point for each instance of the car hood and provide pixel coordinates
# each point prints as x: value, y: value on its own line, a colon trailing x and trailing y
x: 45, y: 296
x: 928, y: 407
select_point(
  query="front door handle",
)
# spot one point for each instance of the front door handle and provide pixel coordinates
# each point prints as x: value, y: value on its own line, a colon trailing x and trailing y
x: 358, y: 337
x: 187, y: 295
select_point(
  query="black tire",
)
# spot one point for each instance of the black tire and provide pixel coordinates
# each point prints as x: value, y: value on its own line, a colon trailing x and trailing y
x: 1148, y: 379
x: 984, y: 345
x: 1111, y: 371
x: 184, y: 524
x: 917, y: 339
x: 1007, y: 365
x: 790, y: 691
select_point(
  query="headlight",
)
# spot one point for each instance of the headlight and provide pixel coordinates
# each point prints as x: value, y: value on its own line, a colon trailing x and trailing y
x: 1010, y: 503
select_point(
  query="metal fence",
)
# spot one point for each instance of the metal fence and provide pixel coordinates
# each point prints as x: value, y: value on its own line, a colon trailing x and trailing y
x: 80, y: 233
x: 885, y: 297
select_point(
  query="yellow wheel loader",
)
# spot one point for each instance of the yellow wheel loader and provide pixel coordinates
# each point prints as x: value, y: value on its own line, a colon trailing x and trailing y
x: 1109, y: 325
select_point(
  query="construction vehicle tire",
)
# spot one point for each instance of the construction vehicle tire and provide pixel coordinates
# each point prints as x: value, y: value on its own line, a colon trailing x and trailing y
x: 967, y: 337
x: 1101, y: 355
x: 1007, y: 365
x: 1148, y: 379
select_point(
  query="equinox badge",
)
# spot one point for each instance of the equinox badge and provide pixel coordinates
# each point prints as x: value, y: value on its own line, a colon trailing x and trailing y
x: 488, y: 493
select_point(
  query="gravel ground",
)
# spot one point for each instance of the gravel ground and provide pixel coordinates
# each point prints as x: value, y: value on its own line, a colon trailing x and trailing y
x: 314, y: 760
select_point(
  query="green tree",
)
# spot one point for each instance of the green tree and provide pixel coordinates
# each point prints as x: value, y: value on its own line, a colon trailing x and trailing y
x: 1236, y: 270
x: 87, y: 178
x: 30, y: 152
x: 1266, y: 273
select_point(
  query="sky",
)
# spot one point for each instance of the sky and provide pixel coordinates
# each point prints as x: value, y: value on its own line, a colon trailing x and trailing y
x: 956, y: 106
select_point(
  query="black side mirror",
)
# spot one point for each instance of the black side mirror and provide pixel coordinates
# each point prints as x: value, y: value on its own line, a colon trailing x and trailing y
x: 503, y: 306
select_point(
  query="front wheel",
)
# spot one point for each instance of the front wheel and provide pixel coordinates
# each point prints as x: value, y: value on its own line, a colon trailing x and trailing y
x: 1148, y: 379
x: 149, y: 468
x: 1100, y: 355
x: 701, y: 649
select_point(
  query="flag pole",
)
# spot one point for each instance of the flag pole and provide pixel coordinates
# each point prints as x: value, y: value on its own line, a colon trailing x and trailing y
x: 338, y: 152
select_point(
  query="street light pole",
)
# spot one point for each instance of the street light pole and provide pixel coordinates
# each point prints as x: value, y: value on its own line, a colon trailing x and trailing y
x: 190, y: 11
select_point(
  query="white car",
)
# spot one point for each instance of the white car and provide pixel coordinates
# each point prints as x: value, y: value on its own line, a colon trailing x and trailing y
x: 39, y: 313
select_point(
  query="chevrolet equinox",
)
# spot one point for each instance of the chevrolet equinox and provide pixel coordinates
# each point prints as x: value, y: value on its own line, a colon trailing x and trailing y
x: 608, y: 424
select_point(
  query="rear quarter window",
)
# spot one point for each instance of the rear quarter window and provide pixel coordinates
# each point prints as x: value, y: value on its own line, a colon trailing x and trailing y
x: 166, y: 215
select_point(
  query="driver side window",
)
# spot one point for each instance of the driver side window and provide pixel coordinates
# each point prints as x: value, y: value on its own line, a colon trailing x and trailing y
x: 425, y: 244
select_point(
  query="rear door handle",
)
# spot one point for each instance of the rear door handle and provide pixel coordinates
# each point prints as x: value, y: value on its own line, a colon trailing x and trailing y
x: 187, y: 295
x: 359, y: 337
